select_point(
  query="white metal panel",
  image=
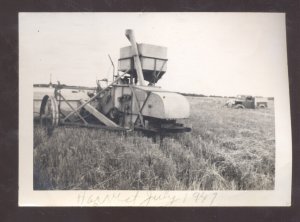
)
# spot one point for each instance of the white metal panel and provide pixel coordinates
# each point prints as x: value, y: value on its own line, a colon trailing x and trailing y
x: 147, y: 50
x: 166, y: 105
x: 146, y: 63
x: 261, y: 100
x: 40, y: 92
x: 74, y: 94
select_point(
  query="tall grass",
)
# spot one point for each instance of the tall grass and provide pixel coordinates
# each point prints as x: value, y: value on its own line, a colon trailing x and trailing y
x: 227, y: 149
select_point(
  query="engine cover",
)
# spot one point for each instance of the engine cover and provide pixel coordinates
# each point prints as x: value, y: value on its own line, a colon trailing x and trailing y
x: 164, y: 104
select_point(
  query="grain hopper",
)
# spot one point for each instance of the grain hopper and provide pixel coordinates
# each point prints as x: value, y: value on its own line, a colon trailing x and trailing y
x: 130, y: 102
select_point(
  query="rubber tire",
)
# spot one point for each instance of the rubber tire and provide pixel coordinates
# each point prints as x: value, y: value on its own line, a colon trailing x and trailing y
x: 239, y: 106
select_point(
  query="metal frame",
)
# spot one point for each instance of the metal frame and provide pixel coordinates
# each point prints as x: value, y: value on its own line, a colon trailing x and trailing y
x: 93, y: 98
x: 58, y: 97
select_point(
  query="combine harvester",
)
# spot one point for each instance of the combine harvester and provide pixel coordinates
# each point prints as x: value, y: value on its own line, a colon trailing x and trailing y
x: 125, y: 104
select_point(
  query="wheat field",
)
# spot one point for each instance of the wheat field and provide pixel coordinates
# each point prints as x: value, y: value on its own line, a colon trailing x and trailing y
x: 228, y: 149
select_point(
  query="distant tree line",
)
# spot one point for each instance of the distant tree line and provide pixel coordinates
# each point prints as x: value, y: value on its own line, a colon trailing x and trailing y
x: 214, y: 96
x: 192, y: 94
x: 184, y: 94
x: 63, y: 85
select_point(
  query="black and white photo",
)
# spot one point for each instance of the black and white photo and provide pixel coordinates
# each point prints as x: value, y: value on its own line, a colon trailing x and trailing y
x: 154, y: 109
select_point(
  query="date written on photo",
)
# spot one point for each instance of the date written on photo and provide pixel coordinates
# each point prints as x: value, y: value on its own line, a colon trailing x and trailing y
x: 139, y: 198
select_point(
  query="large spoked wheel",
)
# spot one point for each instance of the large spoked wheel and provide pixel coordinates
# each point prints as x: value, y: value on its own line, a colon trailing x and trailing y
x: 49, y: 113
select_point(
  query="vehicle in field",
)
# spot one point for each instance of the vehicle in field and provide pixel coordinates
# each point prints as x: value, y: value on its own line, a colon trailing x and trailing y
x: 248, y: 102
x: 127, y: 103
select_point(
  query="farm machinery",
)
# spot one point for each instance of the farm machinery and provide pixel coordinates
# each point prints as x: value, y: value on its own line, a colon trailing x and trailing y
x: 246, y: 101
x: 127, y: 103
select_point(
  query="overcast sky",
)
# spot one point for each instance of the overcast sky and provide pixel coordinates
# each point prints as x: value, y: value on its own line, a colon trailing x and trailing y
x: 209, y: 53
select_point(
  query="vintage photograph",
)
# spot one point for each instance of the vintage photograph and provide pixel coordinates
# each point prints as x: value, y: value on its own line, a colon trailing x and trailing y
x: 154, y: 101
